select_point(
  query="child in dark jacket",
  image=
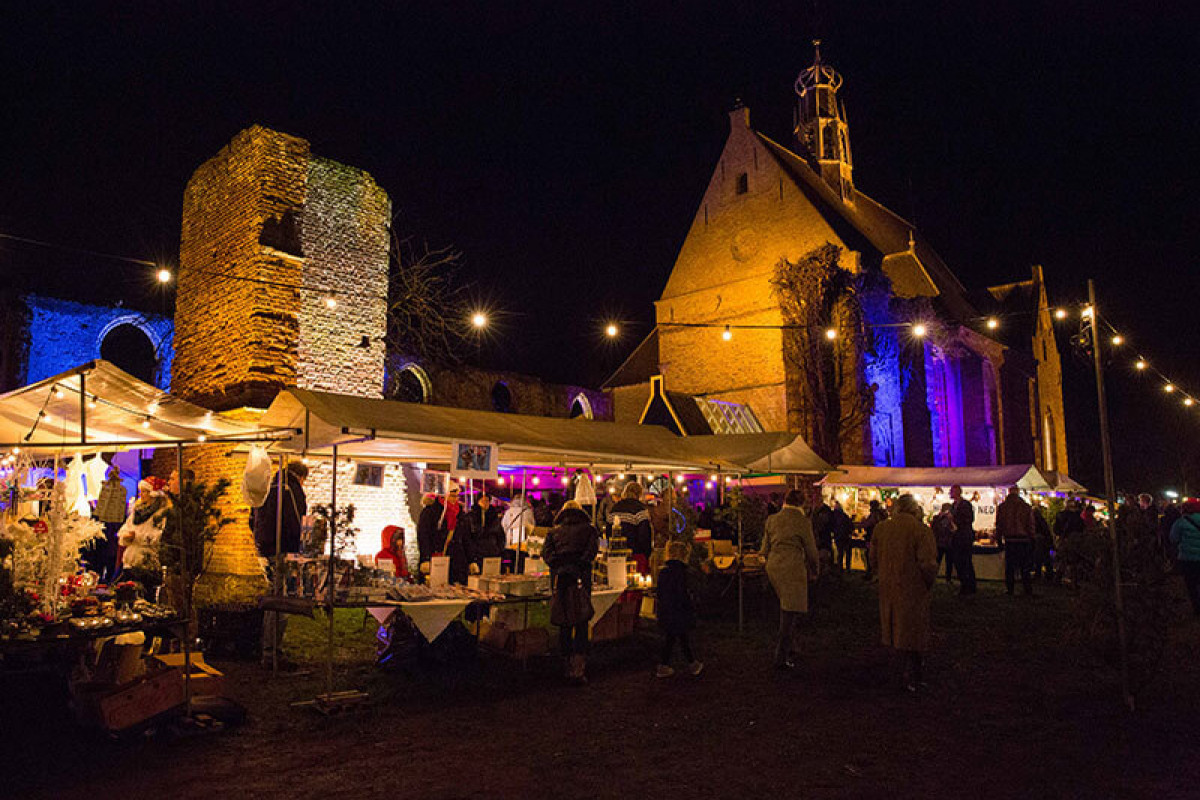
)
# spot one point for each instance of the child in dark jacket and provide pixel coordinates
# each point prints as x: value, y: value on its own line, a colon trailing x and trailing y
x: 675, y: 615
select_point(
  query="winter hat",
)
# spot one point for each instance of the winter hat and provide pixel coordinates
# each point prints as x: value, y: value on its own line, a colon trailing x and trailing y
x: 144, y: 485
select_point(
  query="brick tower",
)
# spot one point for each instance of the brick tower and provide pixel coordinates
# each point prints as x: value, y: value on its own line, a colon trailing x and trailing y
x: 283, y: 266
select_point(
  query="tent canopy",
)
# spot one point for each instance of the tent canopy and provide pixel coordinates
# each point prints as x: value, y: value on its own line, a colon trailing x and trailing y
x: 1026, y: 476
x: 388, y: 429
x: 116, y: 405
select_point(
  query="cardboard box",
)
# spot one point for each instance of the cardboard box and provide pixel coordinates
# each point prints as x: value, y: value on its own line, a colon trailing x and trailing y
x: 132, y: 704
x: 206, y: 679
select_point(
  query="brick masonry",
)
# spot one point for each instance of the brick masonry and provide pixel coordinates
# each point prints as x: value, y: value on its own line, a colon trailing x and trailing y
x: 260, y: 218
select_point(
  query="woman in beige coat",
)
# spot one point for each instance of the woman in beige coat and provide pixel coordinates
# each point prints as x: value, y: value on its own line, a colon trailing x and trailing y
x: 790, y: 551
x: 905, y: 554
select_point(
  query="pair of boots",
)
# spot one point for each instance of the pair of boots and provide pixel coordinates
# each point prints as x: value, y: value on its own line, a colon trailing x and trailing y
x: 576, y: 666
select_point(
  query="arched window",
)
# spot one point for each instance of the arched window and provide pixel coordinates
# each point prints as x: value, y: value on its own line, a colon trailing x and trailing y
x: 1049, y: 442
x: 411, y: 385
x: 128, y: 346
x: 581, y: 407
x: 501, y: 398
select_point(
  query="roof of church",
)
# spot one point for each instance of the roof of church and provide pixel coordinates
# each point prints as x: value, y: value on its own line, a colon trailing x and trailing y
x: 641, y: 364
x: 1017, y: 305
x: 888, y: 233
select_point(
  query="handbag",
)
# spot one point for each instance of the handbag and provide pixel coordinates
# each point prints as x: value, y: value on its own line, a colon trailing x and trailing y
x: 571, y: 603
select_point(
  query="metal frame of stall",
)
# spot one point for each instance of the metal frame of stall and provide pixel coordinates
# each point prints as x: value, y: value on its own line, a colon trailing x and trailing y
x: 65, y: 446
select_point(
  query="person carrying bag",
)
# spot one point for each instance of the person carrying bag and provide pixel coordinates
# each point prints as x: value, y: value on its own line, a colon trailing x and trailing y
x: 571, y: 547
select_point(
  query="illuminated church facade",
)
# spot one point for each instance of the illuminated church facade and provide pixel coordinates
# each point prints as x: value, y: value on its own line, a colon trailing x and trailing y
x: 940, y: 376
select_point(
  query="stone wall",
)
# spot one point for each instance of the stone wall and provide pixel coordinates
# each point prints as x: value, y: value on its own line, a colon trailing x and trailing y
x: 262, y: 218
x: 63, y: 334
x: 471, y: 387
x: 236, y: 320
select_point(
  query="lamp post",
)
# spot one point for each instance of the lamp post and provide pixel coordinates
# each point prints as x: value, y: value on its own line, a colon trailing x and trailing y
x: 1110, y: 492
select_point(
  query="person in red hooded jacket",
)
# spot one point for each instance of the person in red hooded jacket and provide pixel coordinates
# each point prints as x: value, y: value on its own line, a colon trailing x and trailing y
x: 393, y: 550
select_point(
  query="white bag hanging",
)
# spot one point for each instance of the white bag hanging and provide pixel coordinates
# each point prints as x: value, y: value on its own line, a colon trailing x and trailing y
x: 256, y: 480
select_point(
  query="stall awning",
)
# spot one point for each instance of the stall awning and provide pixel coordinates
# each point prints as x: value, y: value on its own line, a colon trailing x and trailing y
x: 371, y: 428
x: 121, y: 412
x: 1025, y: 476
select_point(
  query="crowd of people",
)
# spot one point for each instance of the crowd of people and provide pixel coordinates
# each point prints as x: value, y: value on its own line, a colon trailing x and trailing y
x: 902, y: 551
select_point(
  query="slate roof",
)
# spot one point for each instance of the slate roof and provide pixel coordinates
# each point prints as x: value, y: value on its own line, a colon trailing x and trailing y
x: 639, y: 367
x: 886, y: 232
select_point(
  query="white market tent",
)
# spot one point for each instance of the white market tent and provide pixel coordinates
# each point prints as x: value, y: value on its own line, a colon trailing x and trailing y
x: 1025, y: 476
x: 413, y: 432
x: 98, y: 407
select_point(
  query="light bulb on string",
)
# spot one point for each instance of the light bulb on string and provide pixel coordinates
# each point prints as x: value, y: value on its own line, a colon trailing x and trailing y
x: 58, y: 393
x: 1168, y: 388
x: 146, y: 422
x: 91, y: 403
x: 1117, y: 340
x: 679, y: 479
x: 479, y: 320
x: 727, y: 334
x: 202, y: 438
x: 153, y: 407
x: 164, y: 275
x: 1140, y: 364
x: 993, y: 323
x: 1060, y: 313
x: 331, y: 303
x: 611, y: 331
x: 831, y: 333
x: 1187, y: 401
x: 919, y: 330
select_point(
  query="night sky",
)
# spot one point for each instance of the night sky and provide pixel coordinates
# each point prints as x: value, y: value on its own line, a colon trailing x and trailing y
x: 563, y: 148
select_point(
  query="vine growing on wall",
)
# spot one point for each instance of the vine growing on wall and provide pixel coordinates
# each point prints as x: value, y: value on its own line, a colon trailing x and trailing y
x: 830, y: 401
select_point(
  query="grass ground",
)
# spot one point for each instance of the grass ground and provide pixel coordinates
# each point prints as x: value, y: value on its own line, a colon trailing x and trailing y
x: 1015, y: 708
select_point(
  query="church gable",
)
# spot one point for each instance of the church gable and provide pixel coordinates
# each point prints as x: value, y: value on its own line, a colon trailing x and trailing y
x: 752, y: 215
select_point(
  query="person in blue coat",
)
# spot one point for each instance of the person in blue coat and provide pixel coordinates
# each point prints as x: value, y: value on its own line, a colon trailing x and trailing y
x: 1185, y: 535
x: 675, y: 614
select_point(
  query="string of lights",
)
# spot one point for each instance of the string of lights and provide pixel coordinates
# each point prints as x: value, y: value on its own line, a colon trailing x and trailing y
x: 1142, y: 365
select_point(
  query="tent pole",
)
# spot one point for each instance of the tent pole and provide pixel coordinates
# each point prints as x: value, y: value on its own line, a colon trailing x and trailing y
x: 329, y: 589
x: 83, y: 408
x: 741, y: 594
x: 275, y: 582
x: 185, y: 582
x: 521, y: 538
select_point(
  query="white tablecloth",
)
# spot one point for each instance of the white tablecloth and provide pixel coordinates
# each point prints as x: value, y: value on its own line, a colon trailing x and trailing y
x: 602, y: 601
x: 431, y: 617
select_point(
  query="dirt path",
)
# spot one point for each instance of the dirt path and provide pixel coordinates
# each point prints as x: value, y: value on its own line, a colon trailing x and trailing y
x: 1014, y: 710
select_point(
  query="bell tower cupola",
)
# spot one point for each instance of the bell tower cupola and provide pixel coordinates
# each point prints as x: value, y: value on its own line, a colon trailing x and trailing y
x: 820, y: 125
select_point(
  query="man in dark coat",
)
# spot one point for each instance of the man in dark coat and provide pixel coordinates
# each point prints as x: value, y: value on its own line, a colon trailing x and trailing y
x: 485, y: 535
x: 962, y: 546
x: 843, y: 531
x: 295, y: 506
x: 263, y: 521
x: 430, y: 537
x: 632, y: 519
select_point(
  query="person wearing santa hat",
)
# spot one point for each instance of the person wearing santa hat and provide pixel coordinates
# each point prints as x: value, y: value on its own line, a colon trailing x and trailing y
x: 142, y: 531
